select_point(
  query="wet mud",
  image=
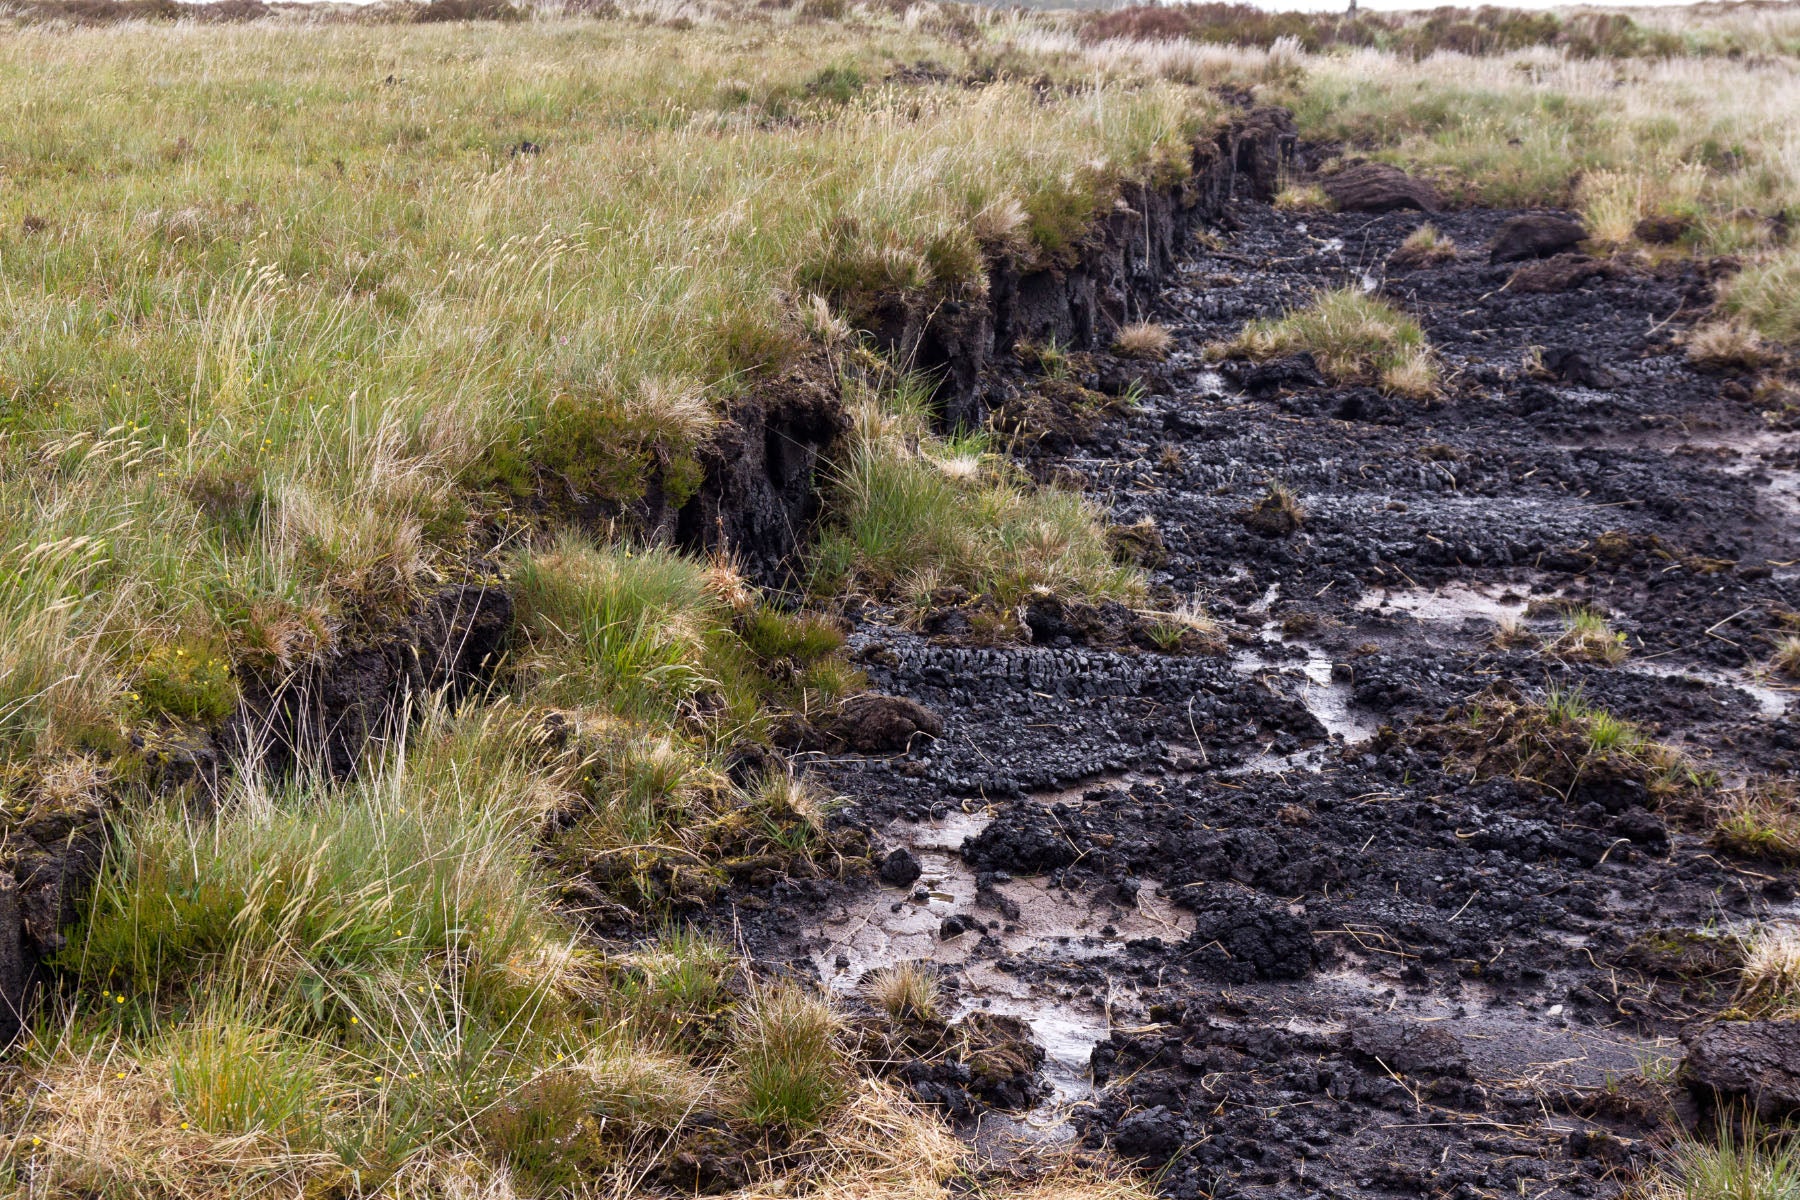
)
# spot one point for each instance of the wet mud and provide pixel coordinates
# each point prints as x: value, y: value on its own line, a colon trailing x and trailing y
x: 1274, y: 932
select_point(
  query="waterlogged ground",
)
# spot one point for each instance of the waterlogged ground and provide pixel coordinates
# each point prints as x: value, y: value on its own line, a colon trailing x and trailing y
x: 1275, y: 940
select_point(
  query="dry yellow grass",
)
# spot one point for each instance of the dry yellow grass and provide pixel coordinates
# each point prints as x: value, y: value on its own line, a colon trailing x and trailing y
x: 1769, y: 987
x: 1143, y: 339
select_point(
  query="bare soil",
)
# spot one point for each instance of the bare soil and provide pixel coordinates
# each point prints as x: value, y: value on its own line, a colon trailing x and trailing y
x: 1274, y: 936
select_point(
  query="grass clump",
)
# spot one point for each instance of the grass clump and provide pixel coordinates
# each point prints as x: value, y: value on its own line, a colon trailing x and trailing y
x: 1277, y: 513
x: 1587, y: 636
x: 1354, y: 338
x: 1425, y: 246
x: 788, y: 1059
x: 1143, y: 339
x: 1769, y: 984
x: 1304, y: 198
x: 1766, y: 297
x: 904, y: 523
x: 1759, y: 822
x: 1747, y: 1164
x: 1786, y: 658
x: 1729, y: 345
x: 905, y: 992
x: 1563, y: 744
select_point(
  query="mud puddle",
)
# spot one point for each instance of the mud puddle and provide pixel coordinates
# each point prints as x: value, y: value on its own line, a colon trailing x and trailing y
x: 1771, y: 700
x: 1021, y: 926
x: 1456, y: 602
x: 1529, y: 1040
x: 1313, y: 682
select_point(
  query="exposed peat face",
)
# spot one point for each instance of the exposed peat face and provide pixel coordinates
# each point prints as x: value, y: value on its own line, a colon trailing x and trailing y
x: 1361, y: 898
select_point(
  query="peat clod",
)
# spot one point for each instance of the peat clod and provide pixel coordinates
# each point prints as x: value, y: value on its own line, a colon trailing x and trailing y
x: 1752, y: 1065
x: 1574, y: 365
x: 983, y: 1061
x: 324, y: 712
x: 1410, y: 1048
x: 1024, y: 840
x: 1559, y: 273
x: 1264, y: 379
x: 1276, y: 515
x: 51, y: 855
x: 1379, y: 188
x: 709, y: 1156
x: 1141, y: 543
x: 1053, y: 621
x: 899, y: 867
x: 1241, y: 934
x: 1534, y: 235
x: 874, y: 724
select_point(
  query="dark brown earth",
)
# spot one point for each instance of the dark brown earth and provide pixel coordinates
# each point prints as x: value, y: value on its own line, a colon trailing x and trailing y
x: 1277, y: 936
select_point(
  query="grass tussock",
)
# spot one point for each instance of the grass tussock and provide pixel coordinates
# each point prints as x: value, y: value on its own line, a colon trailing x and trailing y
x: 1730, y: 345
x: 1785, y: 660
x: 1143, y: 339
x: 1769, y: 984
x: 1304, y: 198
x: 1759, y: 822
x: 789, y: 1059
x: 904, y: 991
x: 1753, y: 1163
x: 1425, y: 246
x: 1354, y: 338
x: 914, y: 512
x: 1562, y: 743
x: 1766, y: 297
x: 1587, y: 636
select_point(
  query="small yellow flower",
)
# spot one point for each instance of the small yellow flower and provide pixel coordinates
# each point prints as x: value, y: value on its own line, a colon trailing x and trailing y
x: 184, y: 1124
x: 120, y: 1075
x: 120, y: 1000
x: 352, y: 1021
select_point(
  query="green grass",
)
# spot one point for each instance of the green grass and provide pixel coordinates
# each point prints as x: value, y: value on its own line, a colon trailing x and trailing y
x: 1767, y: 294
x: 290, y: 326
x: 1562, y: 741
x: 1753, y: 1165
x: 1587, y: 636
x: 788, y: 1061
x: 1353, y: 336
x: 914, y: 512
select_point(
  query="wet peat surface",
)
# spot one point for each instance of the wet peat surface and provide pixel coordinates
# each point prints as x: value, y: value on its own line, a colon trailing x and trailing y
x: 1274, y: 941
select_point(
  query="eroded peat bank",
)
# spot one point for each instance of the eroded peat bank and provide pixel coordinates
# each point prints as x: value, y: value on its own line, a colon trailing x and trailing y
x: 1363, y: 896
x: 899, y: 601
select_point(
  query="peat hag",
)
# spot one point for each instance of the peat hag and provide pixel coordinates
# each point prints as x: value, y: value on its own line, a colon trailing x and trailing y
x: 1404, y: 879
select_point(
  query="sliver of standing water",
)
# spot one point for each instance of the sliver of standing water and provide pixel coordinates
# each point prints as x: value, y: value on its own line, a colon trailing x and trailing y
x: 998, y: 968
